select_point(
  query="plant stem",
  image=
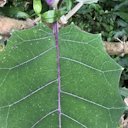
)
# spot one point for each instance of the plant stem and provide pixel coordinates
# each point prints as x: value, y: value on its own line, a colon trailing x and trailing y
x: 56, y: 31
x: 74, y: 10
x: 64, y: 19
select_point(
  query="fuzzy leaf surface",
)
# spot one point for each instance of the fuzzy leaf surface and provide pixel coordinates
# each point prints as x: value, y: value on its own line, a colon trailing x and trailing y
x: 29, y: 85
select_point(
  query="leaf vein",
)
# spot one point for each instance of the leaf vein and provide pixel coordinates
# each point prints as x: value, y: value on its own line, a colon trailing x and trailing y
x: 32, y: 93
x: 92, y: 102
x: 25, y: 62
x: 76, y: 121
x: 86, y: 100
x: 7, y: 117
x: 81, y: 63
x: 79, y: 42
x: 1, y: 84
x: 50, y: 113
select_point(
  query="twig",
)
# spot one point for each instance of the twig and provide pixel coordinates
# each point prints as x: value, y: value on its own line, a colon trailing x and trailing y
x: 8, y: 24
x: 116, y: 48
x: 64, y: 19
x: 38, y: 19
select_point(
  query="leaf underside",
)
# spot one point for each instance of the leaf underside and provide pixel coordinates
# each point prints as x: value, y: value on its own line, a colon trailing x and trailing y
x: 29, y: 85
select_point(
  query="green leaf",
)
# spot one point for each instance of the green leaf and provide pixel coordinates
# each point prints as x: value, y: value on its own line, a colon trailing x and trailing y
x: 29, y: 85
x: 37, y: 6
x: 123, y: 15
x: 69, y: 4
x: 13, y: 12
x: 51, y: 16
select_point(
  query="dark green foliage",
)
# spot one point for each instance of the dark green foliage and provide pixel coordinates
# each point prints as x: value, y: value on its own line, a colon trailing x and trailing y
x: 123, y: 61
x: 107, y: 17
x: 21, y: 9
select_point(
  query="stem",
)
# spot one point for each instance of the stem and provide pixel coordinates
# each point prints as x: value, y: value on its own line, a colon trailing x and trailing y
x: 37, y: 20
x: 55, y: 31
x: 64, y: 19
x: 74, y: 10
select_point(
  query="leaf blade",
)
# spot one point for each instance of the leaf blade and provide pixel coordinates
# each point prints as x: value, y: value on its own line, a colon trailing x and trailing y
x: 29, y: 81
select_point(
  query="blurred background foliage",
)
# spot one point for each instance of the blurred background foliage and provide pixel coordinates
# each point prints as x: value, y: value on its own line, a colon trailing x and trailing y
x: 108, y: 17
